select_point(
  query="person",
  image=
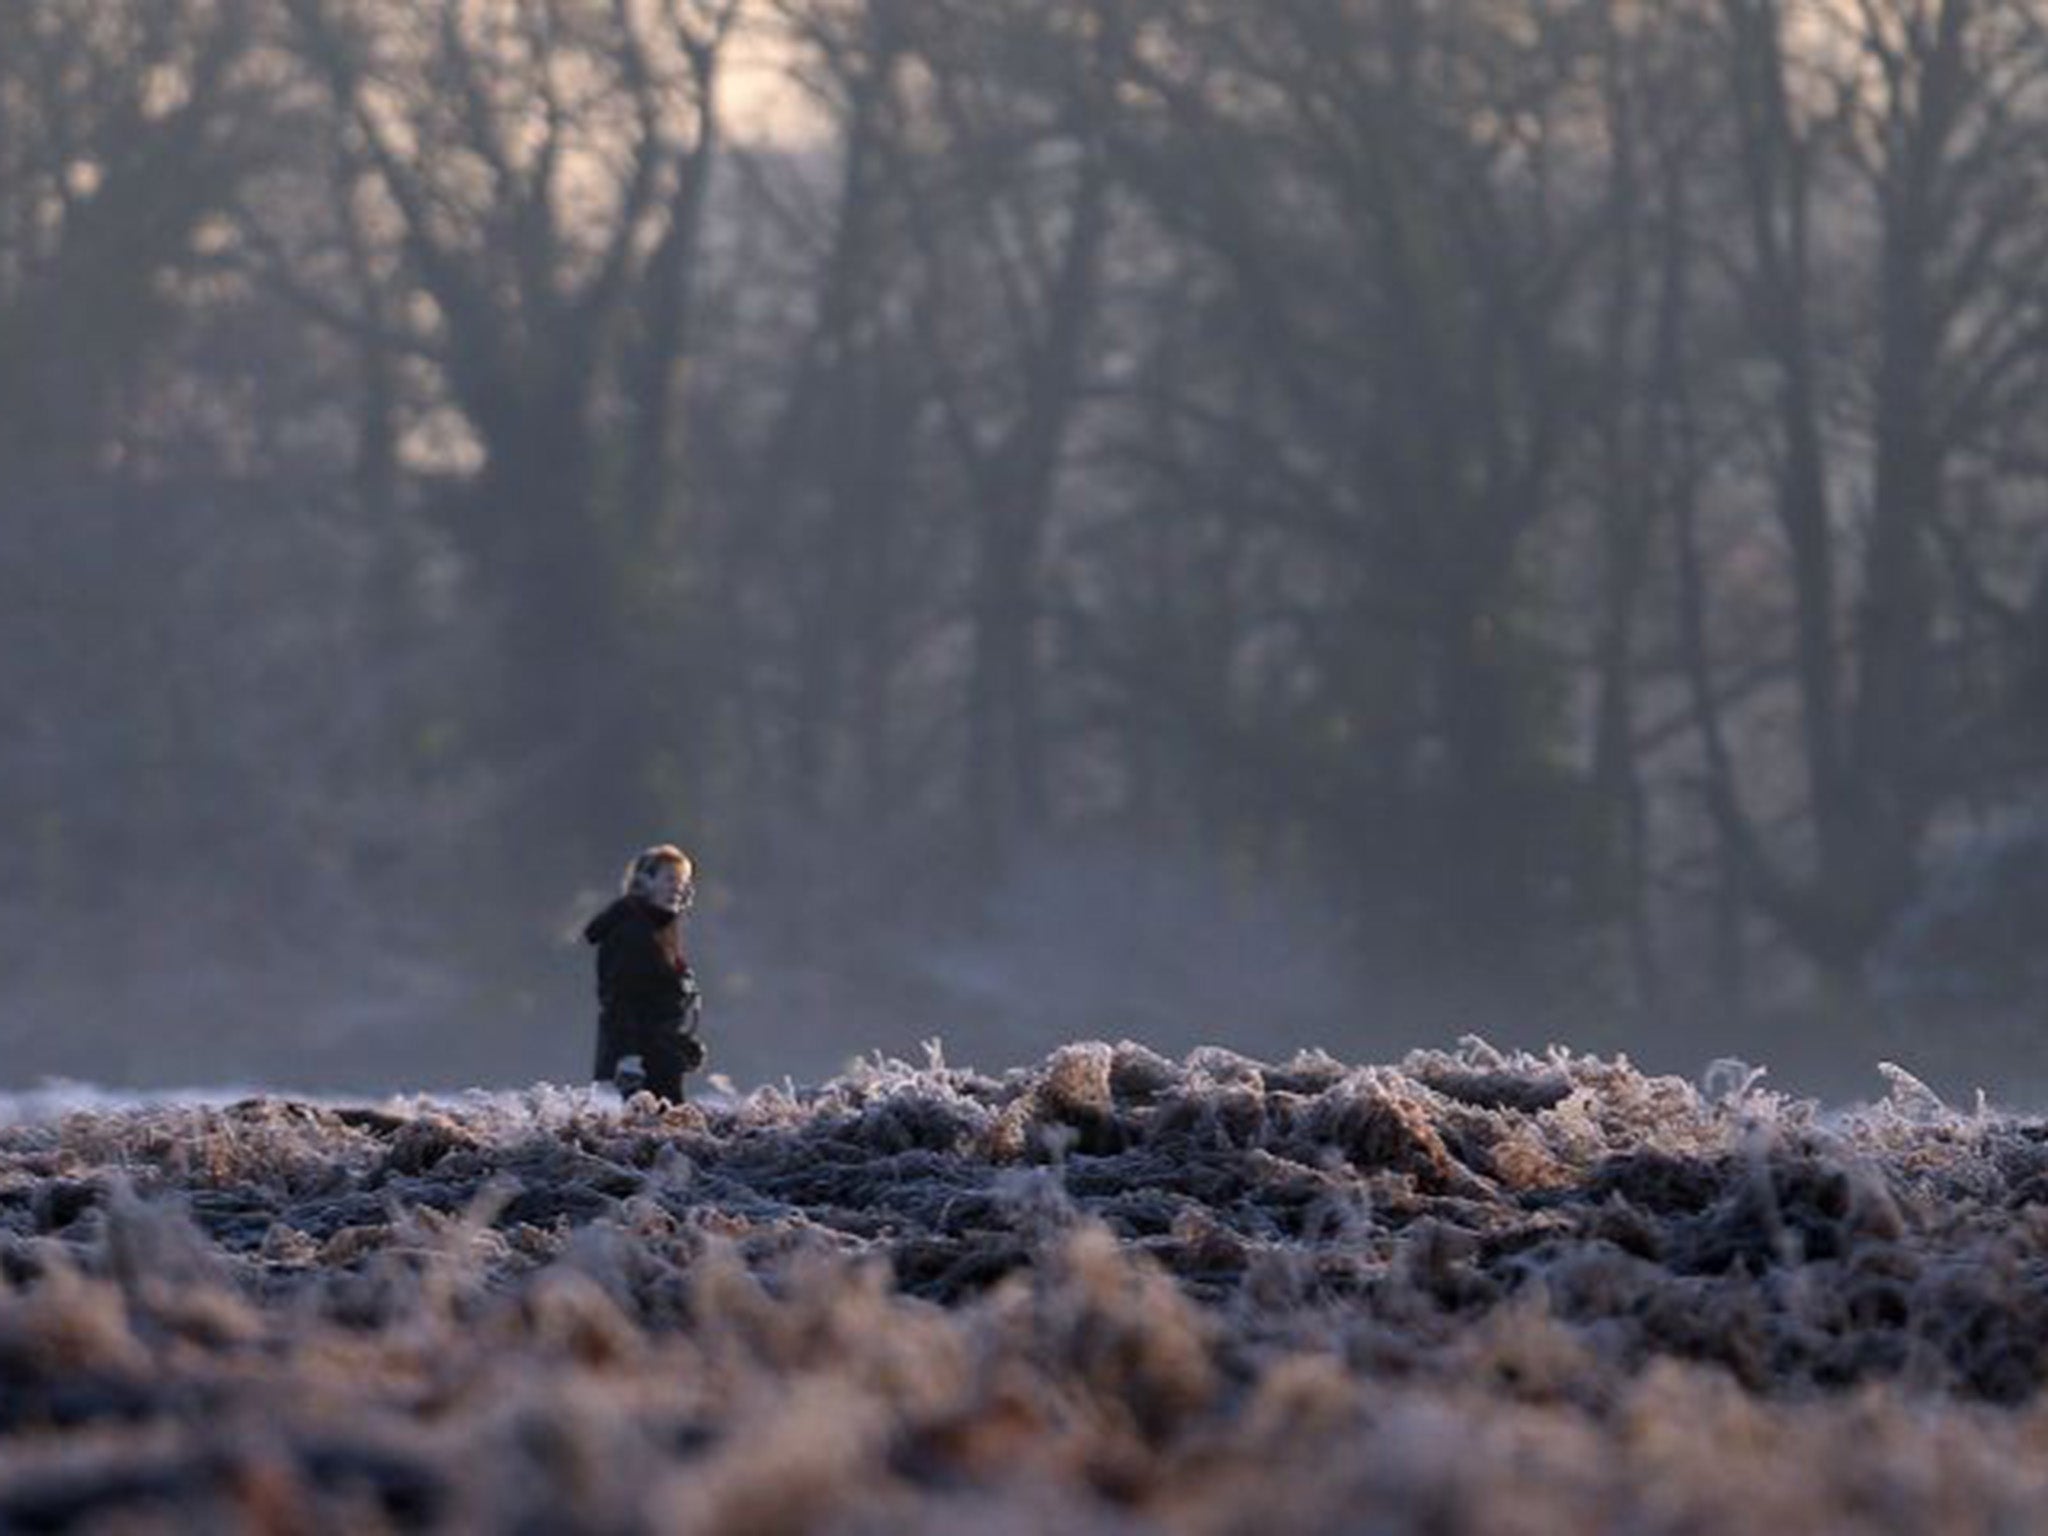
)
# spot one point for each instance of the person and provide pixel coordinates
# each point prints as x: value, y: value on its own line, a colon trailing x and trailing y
x: 648, y: 1003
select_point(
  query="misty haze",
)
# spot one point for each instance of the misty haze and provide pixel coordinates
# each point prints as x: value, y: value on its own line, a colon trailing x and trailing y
x: 1341, y: 526
x: 1257, y: 531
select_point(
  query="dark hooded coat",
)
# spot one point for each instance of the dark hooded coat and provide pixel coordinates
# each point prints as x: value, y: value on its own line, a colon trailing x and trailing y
x: 647, y: 1006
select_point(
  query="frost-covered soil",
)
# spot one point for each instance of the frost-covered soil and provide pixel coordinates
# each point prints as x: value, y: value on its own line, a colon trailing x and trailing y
x: 1110, y: 1293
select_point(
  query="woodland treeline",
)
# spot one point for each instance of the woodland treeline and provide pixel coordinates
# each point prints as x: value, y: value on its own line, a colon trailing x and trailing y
x: 1558, y: 486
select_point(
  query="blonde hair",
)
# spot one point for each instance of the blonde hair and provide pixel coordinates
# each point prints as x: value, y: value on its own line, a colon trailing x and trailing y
x: 640, y: 870
x: 640, y: 874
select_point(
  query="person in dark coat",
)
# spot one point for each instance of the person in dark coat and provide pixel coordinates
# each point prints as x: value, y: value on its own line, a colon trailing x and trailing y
x: 647, y: 997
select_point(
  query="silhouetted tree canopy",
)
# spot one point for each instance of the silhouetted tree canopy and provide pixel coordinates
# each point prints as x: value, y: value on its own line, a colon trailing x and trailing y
x: 1541, y: 504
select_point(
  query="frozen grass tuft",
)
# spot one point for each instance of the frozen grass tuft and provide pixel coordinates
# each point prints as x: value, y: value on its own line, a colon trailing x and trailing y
x: 1473, y: 1291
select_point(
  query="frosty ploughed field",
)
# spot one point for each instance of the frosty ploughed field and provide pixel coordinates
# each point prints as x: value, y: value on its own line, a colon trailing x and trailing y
x: 1109, y: 1293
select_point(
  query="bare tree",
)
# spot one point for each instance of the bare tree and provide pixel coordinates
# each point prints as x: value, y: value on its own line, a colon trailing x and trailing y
x: 1405, y: 266
x: 1933, y: 103
x: 544, y: 166
x: 125, y: 132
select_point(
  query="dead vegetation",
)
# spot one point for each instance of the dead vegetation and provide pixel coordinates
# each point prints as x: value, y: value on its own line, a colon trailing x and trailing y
x: 1112, y: 1293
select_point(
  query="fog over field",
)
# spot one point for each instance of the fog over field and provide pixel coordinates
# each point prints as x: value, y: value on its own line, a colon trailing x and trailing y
x: 1326, y: 523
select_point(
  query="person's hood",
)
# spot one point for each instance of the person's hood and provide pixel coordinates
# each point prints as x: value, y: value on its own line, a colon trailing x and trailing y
x: 625, y: 909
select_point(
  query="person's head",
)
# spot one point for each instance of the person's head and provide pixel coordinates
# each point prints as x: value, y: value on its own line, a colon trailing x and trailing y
x: 662, y: 875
